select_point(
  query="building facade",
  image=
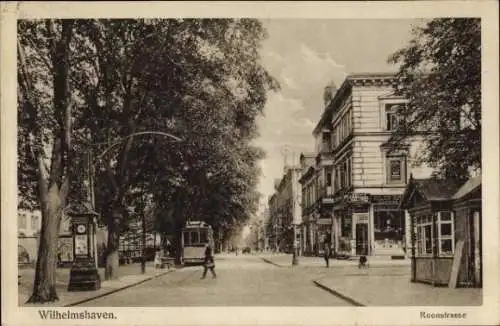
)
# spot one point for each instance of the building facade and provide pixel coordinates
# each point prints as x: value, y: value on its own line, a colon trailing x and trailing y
x: 367, y: 180
x: 285, y: 211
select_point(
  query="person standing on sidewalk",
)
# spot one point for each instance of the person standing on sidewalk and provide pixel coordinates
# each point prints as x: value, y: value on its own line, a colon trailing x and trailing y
x: 157, y: 259
x: 326, y: 252
x: 209, y: 263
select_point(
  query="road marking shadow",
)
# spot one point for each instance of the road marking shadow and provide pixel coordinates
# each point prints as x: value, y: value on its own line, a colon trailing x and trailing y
x: 338, y: 294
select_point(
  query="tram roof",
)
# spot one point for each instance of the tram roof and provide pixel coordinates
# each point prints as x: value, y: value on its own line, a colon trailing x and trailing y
x: 197, y: 224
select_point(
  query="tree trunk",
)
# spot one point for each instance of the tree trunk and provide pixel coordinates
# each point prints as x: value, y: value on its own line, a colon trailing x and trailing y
x: 112, y: 254
x: 53, y: 191
x: 44, y: 289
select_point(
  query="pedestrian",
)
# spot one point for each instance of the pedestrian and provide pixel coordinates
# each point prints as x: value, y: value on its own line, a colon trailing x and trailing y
x: 326, y: 252
x: 157, y: 259
x: 209, y: 263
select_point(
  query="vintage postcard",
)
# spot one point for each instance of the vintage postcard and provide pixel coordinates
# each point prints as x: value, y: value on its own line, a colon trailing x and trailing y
x: 243, y: 163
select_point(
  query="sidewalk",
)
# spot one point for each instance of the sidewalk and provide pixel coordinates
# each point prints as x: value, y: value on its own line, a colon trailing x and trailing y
x: 396, y: 290
x: 285, y: 260
x: 129, y: 275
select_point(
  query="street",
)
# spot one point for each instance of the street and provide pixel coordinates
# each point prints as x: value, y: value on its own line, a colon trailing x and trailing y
x: 241, y: 281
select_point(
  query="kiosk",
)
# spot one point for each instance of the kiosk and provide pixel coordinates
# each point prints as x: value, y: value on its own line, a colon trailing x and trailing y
x: 84, y: 275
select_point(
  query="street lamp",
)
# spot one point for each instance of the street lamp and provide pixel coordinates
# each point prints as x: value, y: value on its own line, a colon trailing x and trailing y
x: 295, y: 256
x: 90, y: 182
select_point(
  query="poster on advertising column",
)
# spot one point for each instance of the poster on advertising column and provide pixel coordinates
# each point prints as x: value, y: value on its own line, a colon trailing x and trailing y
x: 81, y: 248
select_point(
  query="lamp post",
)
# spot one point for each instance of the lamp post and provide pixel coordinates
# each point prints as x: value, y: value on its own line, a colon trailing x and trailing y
x: 295, y: 256
x: 91, y: 195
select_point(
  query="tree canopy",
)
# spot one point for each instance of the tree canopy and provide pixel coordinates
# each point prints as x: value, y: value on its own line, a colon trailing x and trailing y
x: 130, y: 79
x: 440, y: 75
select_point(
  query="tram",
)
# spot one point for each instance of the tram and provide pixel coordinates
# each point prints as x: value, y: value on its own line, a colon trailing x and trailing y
x: 195, y: 236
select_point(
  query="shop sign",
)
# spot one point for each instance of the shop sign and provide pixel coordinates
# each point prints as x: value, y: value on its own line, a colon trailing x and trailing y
x: 386, y: 199
x: 361, y: 217
x: 359, y: 198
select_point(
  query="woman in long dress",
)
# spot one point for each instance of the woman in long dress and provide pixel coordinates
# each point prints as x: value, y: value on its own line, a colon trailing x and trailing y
x: 158, y: 259
x: 209, y: 263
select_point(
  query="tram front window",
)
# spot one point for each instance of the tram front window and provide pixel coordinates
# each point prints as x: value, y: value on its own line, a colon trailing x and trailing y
x: 203, y: 236
x: 186, y: 239
x: 195, y: 237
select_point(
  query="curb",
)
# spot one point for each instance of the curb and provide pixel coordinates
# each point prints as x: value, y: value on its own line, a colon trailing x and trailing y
x: 117, y: 290
x: 273, y: 263
x: 338, y: 294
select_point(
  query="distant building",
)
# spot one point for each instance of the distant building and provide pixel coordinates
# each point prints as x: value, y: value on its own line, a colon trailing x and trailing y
x: 29, y: 222
x: 285, y: 210
x: 29, y: 227
x: 310, y: 187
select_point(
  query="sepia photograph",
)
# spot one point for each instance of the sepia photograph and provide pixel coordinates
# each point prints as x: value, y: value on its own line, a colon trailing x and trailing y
x: 300, y: 162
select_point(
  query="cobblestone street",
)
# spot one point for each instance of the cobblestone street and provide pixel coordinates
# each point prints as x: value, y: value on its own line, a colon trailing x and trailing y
x: 241, y: 281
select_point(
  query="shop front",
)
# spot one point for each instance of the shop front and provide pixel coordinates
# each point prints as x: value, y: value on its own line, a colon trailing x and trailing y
x: 389, y: 225
x: 352, y: 225
x: 369, y: 225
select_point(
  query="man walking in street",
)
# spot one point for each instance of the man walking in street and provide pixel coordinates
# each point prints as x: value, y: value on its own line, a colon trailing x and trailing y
x: 326, y: 250
x: 209, y: 263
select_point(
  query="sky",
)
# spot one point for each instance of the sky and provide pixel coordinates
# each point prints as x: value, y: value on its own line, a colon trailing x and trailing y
x: 304, y: 55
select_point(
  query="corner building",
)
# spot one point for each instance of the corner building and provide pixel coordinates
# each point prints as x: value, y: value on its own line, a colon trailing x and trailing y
x: 368, y: 181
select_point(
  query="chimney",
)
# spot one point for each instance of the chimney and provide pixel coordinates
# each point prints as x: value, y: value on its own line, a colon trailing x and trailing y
x: 329, y: 93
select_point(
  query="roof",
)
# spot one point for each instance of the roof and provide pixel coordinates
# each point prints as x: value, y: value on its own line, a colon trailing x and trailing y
x: 346, y: 84
x: 308, y: 154
x: 277, y: 182
x: 434, y: 189
x: 81, y: 208
x: 468, y: 187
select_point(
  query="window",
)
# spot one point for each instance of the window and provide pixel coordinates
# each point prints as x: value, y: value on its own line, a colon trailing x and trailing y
x: 329, y: 179
x: 326, y: 146
x: 393, y: 116
x: 342, y: 175
x: 348, y: 173
x: 345, y: 226
x: 34, y: 223
x: 203, y: 236
x: 337, y: 178
x: 186, y: 239
x: 195, y: 237
x: 446, y: 236
x: 396, y: 169
x: 22, y: 221
x: 424, y: 235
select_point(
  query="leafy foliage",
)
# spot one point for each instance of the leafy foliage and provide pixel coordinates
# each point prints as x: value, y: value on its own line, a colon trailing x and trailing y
x: 440, y: 75
x: 200, y: 80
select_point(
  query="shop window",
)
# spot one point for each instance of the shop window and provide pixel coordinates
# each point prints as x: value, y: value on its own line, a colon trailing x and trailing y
x: 346, y: 226
x: 389, y: 229
x: 396, y: 169
x: 446, y: 236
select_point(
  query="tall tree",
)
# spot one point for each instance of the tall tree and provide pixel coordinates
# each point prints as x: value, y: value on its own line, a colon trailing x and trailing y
x: 440, y: 75
x: 45, y: 133
x: 198, y: 79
